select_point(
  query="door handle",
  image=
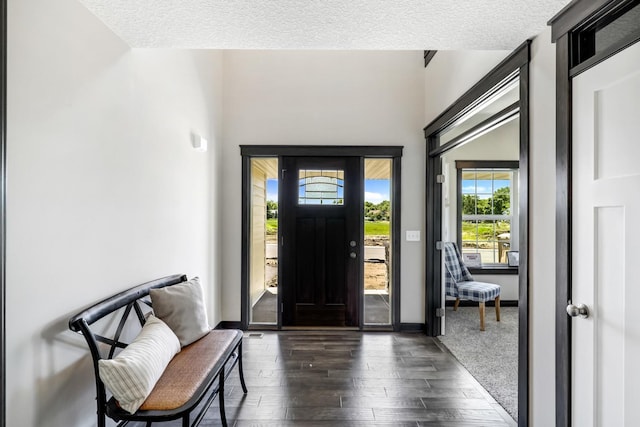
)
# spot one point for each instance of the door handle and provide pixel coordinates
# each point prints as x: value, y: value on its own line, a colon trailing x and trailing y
x: 578, y: 310
x: 353, y: 255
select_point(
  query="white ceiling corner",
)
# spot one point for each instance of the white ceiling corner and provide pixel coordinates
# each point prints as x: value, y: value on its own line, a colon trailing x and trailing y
x: 326, y: 24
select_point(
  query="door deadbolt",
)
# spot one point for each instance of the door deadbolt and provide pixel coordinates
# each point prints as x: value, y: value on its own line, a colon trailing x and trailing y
x: 353, y: 243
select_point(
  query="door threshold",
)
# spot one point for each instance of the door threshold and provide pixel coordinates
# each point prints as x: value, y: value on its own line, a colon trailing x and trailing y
x: 320, y: 328
x: 262, y: 327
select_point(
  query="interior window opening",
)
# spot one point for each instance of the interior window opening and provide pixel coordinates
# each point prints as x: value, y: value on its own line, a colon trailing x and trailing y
x: 479, y: 274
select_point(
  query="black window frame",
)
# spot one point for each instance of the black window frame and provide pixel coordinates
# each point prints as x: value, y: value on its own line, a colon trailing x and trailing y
x: 583, y: 39
x: 493, y: 268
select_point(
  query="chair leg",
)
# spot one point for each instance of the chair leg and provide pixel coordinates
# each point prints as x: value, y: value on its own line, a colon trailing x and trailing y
x: 497, y: 308
x: 481, y: 307
x: 456, y: 304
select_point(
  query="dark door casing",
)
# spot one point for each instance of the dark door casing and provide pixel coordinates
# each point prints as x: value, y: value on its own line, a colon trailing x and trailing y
x: 321, y: 247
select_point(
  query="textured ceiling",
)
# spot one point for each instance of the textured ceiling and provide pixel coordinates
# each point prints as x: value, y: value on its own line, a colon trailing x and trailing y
x: 326, y: 24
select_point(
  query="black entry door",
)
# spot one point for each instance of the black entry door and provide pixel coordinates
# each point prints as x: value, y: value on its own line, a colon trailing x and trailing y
x: 321, y: 231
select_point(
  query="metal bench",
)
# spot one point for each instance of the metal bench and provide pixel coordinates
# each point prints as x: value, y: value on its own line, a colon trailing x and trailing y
x: 191, y: 381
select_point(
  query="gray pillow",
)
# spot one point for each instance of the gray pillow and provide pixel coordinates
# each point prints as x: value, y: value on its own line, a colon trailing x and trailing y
x: 182, y: 308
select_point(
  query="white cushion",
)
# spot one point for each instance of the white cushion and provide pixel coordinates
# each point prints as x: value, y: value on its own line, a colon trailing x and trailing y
x: 132, y: 374
x: 182, y: 308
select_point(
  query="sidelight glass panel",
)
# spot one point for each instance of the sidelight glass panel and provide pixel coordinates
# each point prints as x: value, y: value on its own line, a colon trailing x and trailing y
x: 377, y: 242
x: 263, y: 256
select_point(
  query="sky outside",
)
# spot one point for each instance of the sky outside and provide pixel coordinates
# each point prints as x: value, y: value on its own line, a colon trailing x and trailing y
x: 375, y: 191
x: 483, y: 190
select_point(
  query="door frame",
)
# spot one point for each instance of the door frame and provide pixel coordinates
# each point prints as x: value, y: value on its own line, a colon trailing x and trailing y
x: 566, y: 30
x: 516, y: 62
x: 388, y: 151
x: 3, y: 208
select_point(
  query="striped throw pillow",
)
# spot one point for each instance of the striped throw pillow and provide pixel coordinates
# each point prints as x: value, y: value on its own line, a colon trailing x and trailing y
x: 132, y: 374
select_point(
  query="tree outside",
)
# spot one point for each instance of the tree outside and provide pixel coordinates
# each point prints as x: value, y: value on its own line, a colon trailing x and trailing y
x: 498, y: 204
x: 486, y: 234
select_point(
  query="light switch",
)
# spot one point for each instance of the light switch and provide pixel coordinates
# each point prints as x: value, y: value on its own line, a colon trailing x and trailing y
x: 413, y: 235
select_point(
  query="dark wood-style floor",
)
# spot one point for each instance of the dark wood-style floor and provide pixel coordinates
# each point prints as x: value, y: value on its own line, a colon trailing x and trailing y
x: 326, y: 379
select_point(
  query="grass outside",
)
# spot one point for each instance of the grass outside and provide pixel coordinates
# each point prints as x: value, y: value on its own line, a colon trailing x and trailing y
x: 371, y: 228
x: 376, y: 228
x: 487, y: 244
x: 485, y: 231
x: 272, y: 226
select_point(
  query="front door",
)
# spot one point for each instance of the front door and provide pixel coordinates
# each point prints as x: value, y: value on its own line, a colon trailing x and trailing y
x: 606, y: 242
x: 321, y: 239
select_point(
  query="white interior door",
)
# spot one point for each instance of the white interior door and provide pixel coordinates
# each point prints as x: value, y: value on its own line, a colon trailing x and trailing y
x: 606, y: 242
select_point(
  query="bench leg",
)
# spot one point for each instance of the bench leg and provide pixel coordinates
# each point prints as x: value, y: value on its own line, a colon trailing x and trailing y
x: 456, y: 304
x: 240, y: 371
x: 497, y: 308
x: 223, y: 416
x: 481, y: 307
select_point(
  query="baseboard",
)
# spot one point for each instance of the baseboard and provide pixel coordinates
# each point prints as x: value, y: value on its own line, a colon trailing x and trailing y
x: 226, y: 324
x: 412, y: 327
x: 404, y: 327
x: 466, y: 303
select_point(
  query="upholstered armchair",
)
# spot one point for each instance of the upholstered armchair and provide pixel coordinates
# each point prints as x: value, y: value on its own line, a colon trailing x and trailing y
x: 461, y: 285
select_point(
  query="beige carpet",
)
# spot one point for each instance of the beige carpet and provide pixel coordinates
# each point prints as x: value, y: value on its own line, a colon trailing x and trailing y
x: 490, y: 356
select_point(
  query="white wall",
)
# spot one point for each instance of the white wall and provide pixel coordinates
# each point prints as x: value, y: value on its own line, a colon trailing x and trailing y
x: 464, y: 67
x: 326, y: 98
x: 541, y: 202
x: 104, y: 191
x: 542, y: 233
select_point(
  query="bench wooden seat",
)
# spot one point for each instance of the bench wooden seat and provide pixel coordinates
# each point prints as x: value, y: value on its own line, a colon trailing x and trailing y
x: 192, y: 379
x: 190, y: 370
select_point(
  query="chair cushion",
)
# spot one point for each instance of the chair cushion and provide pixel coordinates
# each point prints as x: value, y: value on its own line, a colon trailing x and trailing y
x: 478, y: 291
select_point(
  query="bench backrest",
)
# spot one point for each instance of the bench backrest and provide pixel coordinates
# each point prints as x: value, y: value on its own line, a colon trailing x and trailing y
x: 129, y: 299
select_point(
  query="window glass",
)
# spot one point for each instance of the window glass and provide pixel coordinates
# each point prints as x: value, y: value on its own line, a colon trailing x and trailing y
x: 617, y: 30
x: 320, y: 187
x: 486, y: 213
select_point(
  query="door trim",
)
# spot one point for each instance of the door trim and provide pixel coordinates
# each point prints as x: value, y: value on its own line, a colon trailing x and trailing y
x: 3, y: 208
x: 576, y: 15
x: 516, y: 62
x: 384, y: 151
